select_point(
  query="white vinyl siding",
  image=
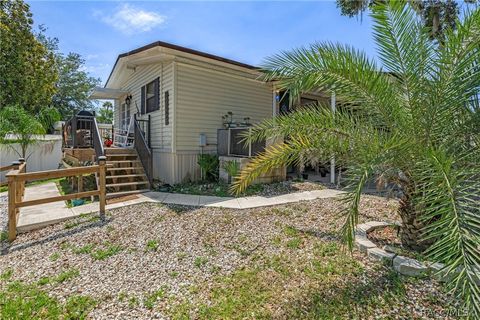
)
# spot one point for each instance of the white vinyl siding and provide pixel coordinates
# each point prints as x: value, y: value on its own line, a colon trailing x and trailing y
x: 204, y: 96
x: 161, y: 135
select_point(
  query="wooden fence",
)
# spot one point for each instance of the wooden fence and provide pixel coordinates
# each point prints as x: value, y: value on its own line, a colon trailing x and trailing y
x: 16, y: 188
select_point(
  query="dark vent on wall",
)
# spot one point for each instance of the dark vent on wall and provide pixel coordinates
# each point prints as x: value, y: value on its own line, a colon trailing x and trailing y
x: 167, y: 108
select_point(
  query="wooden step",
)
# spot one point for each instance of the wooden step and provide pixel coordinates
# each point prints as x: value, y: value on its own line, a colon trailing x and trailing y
x: 125, y: 168
x: 128, y: 176
x: 124, y: 184
x: 125, y: 193
x: 121, y: 155
x: 122, y: 161
x: 110, y: 151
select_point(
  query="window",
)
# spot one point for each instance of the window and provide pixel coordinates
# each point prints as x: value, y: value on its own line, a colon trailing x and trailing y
x: 167, y: 107
x: 150, y: 93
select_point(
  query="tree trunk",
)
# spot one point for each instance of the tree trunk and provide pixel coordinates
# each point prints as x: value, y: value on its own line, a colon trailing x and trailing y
x: 412, y: 225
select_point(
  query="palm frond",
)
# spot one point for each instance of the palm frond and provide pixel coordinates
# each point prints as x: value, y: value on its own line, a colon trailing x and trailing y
x: 342, y: 69
x: 450, y: 194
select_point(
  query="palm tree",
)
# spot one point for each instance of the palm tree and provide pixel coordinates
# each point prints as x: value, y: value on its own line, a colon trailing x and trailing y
x: 413, y: 123
x: 17, y: 126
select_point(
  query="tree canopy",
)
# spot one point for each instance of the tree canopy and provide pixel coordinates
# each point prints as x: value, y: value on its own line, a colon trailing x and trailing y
x: 105, y: 113
x: 27, y: 68
x: 437, y: 15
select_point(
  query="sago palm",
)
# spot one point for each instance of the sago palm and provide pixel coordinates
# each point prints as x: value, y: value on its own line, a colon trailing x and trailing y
x: 412, y: 121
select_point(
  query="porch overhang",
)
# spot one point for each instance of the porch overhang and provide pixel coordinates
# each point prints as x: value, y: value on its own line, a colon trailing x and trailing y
x: 107, y: 93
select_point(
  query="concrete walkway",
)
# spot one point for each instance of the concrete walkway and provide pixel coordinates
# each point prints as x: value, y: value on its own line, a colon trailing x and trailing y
x: 46, y: 214
x: 43, y: 214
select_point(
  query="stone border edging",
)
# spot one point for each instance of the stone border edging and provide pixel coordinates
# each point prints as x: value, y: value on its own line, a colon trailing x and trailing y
x: 403, y: 265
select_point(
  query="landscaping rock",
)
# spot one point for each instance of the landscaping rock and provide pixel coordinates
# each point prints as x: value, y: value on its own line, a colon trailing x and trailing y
x: 391, y: 249
x: 363, y: 244
x: 361, y: 229
x: 409, y: 267
x: 376, y: 224
x: 379, y: 254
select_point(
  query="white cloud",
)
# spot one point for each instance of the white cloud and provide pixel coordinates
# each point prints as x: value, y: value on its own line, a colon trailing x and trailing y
x: 129, y: 19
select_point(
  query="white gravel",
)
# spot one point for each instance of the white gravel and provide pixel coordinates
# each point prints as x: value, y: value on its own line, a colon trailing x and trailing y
x: 194, y: 246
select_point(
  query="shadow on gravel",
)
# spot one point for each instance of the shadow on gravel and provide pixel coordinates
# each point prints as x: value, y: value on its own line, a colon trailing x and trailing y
x: 7, y: 247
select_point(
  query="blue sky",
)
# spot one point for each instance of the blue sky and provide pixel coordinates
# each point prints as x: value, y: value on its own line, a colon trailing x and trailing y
x: 243, y: 31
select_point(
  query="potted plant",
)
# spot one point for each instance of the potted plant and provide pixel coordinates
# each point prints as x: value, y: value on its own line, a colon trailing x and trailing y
x: 108, y: 142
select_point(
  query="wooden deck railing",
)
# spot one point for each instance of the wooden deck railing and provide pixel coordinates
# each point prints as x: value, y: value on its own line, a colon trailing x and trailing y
x: 16, y: 189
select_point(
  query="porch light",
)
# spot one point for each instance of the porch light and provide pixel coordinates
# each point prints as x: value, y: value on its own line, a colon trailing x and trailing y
x: 128, y: 99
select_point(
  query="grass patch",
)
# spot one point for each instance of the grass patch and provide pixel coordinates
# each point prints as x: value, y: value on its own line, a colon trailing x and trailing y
x: 294, y: 243
x: 290, y: 231
x: 86, y: 249
x: 238, y: 296
x: 200, y: 262
x: 54, y: 256
x: 152, y: 245
x: 3, y: 235
x: 26, y: 301
x: 334, y: 286
x: 7, y: 275
x: 102, y: 254
x: 78, y: 307
x: 151, y: 299
x: 62, y: 277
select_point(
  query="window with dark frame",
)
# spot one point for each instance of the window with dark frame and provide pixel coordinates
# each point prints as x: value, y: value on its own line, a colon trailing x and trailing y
x: 167, y: 108
x: 150, y: 97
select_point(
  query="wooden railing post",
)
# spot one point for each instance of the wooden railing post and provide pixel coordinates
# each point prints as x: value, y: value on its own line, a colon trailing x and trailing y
x: 12, y: 199
x: 102, y: 184
x: 22, y: 183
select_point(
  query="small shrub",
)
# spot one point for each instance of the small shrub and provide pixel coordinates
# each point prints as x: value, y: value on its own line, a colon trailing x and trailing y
x: 232, y: 168
x: 209, y: 165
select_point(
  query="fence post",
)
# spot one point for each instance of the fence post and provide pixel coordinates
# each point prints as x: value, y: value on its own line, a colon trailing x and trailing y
x: 12, y: 198
x: 22, y: 184
x: 101, y: 177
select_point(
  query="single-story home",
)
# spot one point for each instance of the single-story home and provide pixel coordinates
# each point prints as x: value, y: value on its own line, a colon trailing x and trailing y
x: 188, y: 97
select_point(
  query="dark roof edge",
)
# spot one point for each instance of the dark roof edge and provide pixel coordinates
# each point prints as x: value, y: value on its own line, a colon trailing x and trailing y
x: 182, y: 49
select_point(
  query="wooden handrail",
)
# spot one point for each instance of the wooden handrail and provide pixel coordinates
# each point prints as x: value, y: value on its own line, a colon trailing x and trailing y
x: 16, y: 189
x: 71, y: 196
x: 143, y: 150
x: 52, y: 174
x: 5, y: 168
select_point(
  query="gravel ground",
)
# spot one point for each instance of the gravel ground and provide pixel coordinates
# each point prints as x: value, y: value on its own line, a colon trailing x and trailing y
x: 3, y: 213
x: 193, y: 247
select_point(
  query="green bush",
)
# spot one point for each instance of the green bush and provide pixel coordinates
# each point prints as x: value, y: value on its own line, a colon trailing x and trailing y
x: 209, y: 165
x: 233, y: 168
